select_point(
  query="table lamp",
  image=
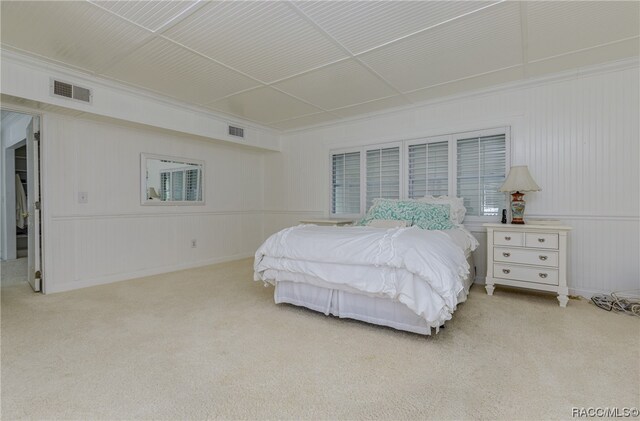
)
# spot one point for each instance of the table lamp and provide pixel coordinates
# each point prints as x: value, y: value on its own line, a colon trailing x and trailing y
x: 518, y: 181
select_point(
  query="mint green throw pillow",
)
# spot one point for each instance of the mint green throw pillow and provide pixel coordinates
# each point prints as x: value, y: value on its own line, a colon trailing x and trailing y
x: 423, y: 215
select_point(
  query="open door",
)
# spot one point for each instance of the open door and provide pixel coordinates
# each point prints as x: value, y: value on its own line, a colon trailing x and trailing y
x: 33, y: 203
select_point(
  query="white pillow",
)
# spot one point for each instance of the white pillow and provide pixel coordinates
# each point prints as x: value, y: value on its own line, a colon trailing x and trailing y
x: 387, y: 223
x: 456, y: 205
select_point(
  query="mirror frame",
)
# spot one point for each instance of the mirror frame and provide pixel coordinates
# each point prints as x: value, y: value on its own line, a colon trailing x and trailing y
x: 144, y: 201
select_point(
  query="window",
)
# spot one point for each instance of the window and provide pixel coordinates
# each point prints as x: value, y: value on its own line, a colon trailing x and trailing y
x: 470, y: 165
x: 383, y: 174
x: 180, y: 184
x: 192, y: 185
x: 481, y: 163
x: 345, y: 183
x: 428, y: 169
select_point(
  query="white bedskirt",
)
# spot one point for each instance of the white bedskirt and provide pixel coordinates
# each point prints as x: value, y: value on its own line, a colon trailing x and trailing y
x: 370, y: 309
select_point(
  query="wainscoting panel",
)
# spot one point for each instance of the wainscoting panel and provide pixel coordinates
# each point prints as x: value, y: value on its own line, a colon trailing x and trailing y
x: 91, y: 251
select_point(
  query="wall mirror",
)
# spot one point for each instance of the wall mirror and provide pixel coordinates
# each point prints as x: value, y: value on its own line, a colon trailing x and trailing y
x: 169, y: 180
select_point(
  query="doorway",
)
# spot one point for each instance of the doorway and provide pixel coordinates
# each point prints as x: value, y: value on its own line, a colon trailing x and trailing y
x: 20, y: 200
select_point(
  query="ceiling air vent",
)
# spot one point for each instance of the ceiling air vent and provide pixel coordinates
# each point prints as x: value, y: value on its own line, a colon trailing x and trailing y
x: 68, y: 90
x: 236, y: 131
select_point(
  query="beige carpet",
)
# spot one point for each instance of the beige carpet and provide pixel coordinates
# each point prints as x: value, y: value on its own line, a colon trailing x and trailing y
x: 210, y: 343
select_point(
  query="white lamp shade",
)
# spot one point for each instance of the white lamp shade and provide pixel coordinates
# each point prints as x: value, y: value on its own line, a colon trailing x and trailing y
x: 519, y: 179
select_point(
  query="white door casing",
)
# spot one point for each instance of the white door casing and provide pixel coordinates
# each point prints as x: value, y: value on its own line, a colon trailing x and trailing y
x: 33, y: 201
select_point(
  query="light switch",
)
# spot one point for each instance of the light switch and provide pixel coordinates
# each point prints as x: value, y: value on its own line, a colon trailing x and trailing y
x: 83, y: 197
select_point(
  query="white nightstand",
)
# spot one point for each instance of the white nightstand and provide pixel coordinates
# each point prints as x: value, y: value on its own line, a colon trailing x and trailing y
x: 528, y: 256
x: 328, y: 222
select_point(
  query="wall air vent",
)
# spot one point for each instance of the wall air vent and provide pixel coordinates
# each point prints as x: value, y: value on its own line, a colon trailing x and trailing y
x: 236, y: 131
x: 67, y: 90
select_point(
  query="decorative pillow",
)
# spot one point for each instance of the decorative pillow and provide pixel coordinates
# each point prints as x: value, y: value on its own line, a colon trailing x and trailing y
x: 387, y: 223
x: 423, y: 215
x: 456, y: 205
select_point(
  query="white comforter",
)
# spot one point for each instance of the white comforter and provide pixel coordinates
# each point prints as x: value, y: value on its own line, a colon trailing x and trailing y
x: 420, y: 268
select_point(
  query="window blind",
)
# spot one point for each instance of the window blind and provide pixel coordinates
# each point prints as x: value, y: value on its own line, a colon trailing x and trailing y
x: 480, y: 173
x: 177, y: 186
x: 165, y: 189
x: 345, y: 184
x: 383, y: 174
x: 428, y: 169
x: 191, y: 184
x: 181, y: 185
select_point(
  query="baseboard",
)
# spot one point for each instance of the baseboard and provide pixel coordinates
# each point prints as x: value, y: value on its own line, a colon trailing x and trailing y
x: 49, y: 289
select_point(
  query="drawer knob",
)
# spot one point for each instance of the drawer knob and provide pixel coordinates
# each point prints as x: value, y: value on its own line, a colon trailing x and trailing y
x: 506, y: 270
x: 543, y: 257
x: 507, y: 238
x: 541, y: 240
x: 542, y: 275
x: 506, y: 254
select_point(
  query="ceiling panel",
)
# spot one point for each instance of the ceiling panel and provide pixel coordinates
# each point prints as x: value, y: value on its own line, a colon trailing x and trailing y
x: 152, y: 15
x: 304, y: 121
x: 338, y: 85
x: 560, y: 27
x: 75, y: 33
x: 175, y: 71
x: 362, y: 25
x: 267, y: 40
x: 372, y: 106
x: 263, y: 105
x: 485, y: 41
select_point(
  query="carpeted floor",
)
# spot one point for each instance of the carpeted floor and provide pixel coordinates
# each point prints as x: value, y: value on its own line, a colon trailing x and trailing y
x: 210, y: 343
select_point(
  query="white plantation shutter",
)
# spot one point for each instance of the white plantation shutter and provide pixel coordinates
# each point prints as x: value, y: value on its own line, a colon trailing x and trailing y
x: 481, y: 163
x: 192, y: 185
x: 345, y: 183
x: 181, y: 185
x: 383, y: 174
x: 177, y: 185
x: 165, y: 186
x: 428, y: 169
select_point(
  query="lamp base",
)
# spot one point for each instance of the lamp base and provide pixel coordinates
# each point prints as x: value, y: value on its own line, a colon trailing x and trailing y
x: 517, y: 208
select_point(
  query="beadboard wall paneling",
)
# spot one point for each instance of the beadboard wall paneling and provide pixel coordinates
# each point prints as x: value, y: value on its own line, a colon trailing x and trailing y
x: 113, y: 237
x: 578, y: 134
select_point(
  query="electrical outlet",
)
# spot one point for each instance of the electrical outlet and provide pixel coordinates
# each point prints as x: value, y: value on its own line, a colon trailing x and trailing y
x: 83, y: 197
x: 194, y: 244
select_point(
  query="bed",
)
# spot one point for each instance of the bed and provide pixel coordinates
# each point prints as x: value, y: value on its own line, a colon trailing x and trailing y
x: 407, y: 278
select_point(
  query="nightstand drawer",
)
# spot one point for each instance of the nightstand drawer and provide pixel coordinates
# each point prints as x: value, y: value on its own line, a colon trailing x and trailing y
x: 525, y: 256
x: 527, y: 274
x: 508, y: 238
x: 543, y: 241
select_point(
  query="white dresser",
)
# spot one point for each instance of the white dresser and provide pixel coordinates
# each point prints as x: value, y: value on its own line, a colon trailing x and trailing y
x: 528, y: 256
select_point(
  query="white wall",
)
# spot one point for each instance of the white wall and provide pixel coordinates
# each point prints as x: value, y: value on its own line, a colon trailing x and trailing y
x: 577, y: 132
x: 114, y: 237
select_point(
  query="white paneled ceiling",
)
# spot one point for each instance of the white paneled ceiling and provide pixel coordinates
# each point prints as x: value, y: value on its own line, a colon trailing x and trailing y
x: 266, y: 105
x: 293, y: 64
